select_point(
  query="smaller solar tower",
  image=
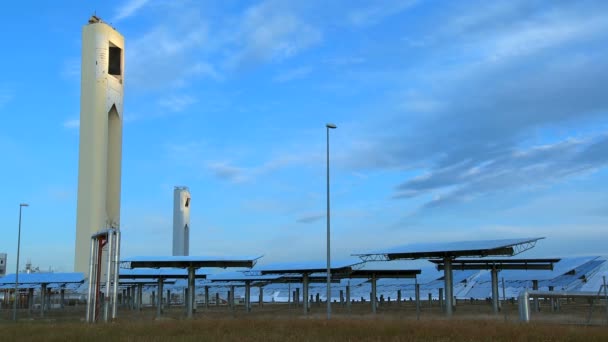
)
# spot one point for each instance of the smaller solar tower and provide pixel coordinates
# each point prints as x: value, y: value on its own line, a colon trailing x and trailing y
x: 181, y: 220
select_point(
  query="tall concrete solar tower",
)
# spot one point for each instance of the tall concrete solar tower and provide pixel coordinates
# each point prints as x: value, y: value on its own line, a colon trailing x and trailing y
x: 181, y: 220
x: 100, y: 155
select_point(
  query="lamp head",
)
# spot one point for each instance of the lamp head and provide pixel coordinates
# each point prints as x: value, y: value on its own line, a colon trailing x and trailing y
x: 24, y: 205
x: 331, y: 125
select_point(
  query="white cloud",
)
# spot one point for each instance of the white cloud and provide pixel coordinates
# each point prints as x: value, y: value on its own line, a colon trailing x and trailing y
x: 72, y: 124
x: 128, y: 9
x: 169, y: 54
x: 272, y: 33
x: 177, y: 103
x: 377, y: 11
x: 228, y: 172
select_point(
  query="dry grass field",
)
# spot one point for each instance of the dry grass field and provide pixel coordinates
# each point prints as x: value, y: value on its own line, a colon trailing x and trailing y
x: 282, y: 323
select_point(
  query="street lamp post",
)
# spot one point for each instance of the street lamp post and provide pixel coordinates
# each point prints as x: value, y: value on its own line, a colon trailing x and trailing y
x: 17, y: 269
x: 328, y: 126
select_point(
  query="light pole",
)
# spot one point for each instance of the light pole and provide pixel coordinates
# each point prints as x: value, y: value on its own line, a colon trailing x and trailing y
x: 328, y: 126
x: 17, y: 269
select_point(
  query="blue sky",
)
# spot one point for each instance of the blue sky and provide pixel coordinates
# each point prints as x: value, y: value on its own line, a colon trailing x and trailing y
x: 456, y: 120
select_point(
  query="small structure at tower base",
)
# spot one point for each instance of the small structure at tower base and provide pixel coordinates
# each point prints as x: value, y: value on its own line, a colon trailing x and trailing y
x: 110, y: 240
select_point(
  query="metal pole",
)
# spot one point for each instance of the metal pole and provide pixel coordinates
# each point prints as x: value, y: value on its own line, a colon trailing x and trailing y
x: 247, y: 297
x: 89, y: 316
x: 504, y: 298
x: 107, y: 298
x: 524, y: 309
x: 606, y: 295
x: 116, y: 270
x: 328, y: 126
x: 17, y: 269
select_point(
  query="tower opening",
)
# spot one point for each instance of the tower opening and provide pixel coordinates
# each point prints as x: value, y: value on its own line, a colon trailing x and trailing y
x: 114, y: 61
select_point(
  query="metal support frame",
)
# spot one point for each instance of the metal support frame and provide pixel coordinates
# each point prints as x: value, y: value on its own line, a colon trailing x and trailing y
x: 109, y: 238
x: 522, y: 247
x: 348, y: 301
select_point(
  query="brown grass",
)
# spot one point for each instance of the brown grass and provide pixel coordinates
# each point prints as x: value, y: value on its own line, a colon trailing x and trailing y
x: 280, y: 323
x: 227, y: 329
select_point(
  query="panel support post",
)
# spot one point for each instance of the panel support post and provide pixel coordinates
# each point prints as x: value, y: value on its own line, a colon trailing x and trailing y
x: 30, y: 300
x: 552, y: 299
x: 535, y: 288
x: 449, y: 296
x: 494, y: 273
x: 247, y: 296
x: 305, y: 292
x: 168, y: 302
x: 296, y: 298
x: 373, y: 299
x: 399, y: 297
x: 261, y: 296
x: 42, y: 299
x: 62, y: 298
x: 140, y: 291
x: 417, y: 301
x: 232, y: 297
x: 348, y: 301
x: 207, y: 297
x: 524, y: 307
x: 190, y: 291
x: 159, y: 298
